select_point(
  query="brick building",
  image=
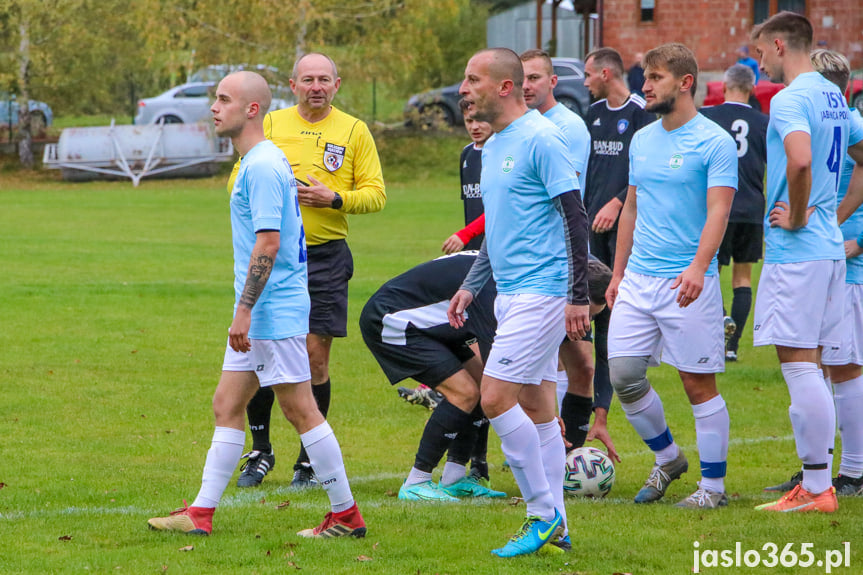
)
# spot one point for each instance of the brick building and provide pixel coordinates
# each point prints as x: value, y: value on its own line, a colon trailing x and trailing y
x: 714, y: 29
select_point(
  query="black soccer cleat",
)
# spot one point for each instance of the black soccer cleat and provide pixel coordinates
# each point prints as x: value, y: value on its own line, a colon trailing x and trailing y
x: 787, y: 486
x: 255, y: 467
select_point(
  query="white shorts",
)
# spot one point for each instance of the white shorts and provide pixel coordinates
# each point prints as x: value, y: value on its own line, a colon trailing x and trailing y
x: 850, y: 351
x: 646, y: 320
x: 800, y: 305
x: 272, y: 361
x: 529, y: 331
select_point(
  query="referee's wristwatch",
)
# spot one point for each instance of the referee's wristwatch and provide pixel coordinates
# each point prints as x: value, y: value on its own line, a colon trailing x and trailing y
x: 337, y: 201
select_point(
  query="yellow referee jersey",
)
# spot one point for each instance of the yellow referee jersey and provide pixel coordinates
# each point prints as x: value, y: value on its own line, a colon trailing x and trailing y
x: 338, y: 151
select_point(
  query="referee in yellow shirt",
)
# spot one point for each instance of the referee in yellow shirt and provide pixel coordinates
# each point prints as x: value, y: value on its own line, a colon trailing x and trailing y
x: 338, y: 172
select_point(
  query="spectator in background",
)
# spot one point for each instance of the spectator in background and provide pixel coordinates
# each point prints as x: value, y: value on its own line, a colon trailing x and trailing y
x: 744, y: 58
x: 635, y: 76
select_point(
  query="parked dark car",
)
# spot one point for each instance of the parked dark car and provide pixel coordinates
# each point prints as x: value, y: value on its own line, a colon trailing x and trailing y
x: 440, y: 106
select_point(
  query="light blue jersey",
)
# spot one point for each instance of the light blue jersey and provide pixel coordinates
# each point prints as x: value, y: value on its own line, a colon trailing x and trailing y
x: 813, y: 105
x: 672, y: 172
x: 578, y: 137
x: 265, y: 198
x: 524, y: 166
x: 852, y: 228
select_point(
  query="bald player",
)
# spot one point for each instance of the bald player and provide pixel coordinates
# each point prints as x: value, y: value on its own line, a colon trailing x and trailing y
x: 267, y: 338
x: 536, y: 248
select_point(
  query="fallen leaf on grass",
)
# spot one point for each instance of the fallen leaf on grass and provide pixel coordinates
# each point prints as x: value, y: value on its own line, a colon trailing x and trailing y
x: 375, y: 546
x: 263, y: 500
x: 834, y: 523
x: 294, y: 565
x: 515, y: 501
x: 290, y: 544
x: 391, y: 493
x: 364, y: 558
x: 283, y: 504
x: 621, y: 574
x: 268, y: 552
x: 65, y: 538
x: 2, y: 485
x: 164, y: 568
x: 187, y: 548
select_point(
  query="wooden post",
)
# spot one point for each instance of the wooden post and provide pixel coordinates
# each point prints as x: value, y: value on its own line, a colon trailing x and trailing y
x: 539, y: 24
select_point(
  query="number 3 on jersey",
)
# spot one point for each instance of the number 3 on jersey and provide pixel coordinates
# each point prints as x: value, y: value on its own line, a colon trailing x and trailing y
x: 834, y: 160
x: 741, y: 130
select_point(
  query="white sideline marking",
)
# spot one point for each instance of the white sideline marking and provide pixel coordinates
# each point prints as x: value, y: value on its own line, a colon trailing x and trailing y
x: 251, y: 497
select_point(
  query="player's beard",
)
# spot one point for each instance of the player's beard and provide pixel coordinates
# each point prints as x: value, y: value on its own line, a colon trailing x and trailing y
x: 662, y: 107
x: 486, y: 110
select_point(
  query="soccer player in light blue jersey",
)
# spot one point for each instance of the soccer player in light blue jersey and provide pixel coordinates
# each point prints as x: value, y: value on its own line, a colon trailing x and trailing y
x: 844, y: 361
x: 665, y: 290
x: 802, y: 287
x: 267, y: 337
x: 575, y: 393
x: 536, y: 248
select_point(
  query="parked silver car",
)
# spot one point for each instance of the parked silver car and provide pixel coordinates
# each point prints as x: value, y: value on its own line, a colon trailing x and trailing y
x: 186, y: 104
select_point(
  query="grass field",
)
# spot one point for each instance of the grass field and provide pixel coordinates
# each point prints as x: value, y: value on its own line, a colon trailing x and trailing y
x: 115, y: 302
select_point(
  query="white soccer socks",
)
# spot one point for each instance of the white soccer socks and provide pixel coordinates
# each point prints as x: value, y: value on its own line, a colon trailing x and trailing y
x: 849, y: 412
x: 325, y: 455
x: 222, y: 458
x: 553, y: 463
x: 813, y: 419
x: 647, y: 416
x: 711, y: 431
x: 519, y: 441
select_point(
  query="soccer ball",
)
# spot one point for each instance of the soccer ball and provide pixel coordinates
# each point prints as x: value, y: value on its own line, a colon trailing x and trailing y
x: 589, y: 473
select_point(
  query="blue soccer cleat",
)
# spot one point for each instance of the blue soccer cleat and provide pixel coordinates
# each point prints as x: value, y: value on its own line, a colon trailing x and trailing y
x: 425, y: 491
x: 533, y: 534
x: 470, y: 487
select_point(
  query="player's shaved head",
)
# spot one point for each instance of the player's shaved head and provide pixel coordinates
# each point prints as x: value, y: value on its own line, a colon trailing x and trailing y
x: 249, y: 87
x: 504, y: 64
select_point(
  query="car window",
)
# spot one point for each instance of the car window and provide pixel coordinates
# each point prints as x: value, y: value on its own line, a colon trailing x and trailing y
x: 564, y: 71
x: 193, y: 92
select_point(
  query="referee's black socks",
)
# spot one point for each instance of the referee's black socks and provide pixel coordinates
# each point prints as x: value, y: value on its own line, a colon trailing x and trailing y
x: 322, y: 398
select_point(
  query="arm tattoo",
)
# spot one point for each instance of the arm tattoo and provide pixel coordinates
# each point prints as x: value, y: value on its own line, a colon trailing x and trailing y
x: 260, y: 267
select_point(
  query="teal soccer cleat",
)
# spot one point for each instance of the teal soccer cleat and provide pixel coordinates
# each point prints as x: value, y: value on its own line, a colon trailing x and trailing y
x: 533, y: 534
x: 425, y: 491
x: 470, y: 487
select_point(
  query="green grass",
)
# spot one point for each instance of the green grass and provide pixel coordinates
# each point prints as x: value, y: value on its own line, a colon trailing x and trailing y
x: 115, y: 303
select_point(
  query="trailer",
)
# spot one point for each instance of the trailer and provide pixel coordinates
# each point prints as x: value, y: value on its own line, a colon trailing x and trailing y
x: 137, y: 152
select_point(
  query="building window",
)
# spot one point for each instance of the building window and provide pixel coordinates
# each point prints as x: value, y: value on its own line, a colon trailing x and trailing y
x: 647, y: 7
x: 764, y: 9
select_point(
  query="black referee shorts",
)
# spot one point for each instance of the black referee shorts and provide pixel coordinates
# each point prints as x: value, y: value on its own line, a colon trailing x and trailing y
x: 743, y: 242
x: 330, y: 267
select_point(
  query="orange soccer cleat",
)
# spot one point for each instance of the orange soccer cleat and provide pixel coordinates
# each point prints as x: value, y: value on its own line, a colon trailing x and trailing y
x: 798, y: 499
